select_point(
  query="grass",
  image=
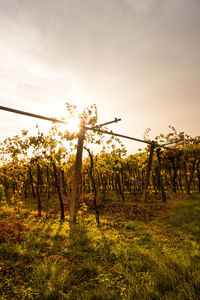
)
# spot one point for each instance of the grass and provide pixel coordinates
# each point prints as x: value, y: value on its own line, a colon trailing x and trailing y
x: 126, y: 258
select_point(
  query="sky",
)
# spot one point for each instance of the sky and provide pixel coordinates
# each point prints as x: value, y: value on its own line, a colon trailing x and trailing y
x: 137, y: 60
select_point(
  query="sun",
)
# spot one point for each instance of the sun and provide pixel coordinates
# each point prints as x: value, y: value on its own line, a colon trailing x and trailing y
x: 73, y: 125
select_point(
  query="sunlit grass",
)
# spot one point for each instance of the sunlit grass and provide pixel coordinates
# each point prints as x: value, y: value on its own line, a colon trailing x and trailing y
x: 123, y: 259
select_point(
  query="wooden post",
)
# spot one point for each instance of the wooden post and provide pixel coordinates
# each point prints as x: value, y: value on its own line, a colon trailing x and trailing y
x: 93, y: 184
x: 56, y: 175
x: 148, y: 172
x: 160, y: 176
x: 77, y: 173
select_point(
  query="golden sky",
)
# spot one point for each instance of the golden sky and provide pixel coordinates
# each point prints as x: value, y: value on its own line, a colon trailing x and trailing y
x: 136, y: 59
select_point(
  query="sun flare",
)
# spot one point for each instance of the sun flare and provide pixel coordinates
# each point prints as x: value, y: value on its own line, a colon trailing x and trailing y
x: 73, y: 125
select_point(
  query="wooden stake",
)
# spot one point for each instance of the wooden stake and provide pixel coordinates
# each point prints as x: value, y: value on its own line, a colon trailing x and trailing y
x: 148, y: 173
x: 160, y: 176
x: 93, y: 184
x: 77, y: 173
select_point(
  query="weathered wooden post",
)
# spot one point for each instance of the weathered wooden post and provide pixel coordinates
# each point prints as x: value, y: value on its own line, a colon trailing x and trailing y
x: 93, y: 184
x: 77, y: 173
x: 160, y: 176
x: 148, y: 172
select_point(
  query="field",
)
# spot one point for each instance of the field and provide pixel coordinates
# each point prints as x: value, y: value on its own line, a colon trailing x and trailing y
x: 99, y: 196
x: 134, y: 254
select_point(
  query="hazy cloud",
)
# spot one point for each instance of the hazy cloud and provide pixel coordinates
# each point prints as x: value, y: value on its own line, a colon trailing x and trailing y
x: 138, y: 57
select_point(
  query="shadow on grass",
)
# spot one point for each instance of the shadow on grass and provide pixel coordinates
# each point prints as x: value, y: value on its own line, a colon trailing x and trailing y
x: 186, y: 217
x: 92, y: 267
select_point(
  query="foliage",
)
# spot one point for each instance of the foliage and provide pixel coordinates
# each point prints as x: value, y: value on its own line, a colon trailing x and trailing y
x: 2, y: 194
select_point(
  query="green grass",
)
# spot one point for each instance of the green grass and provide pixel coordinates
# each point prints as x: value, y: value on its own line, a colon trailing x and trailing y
x: 156, y: 258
